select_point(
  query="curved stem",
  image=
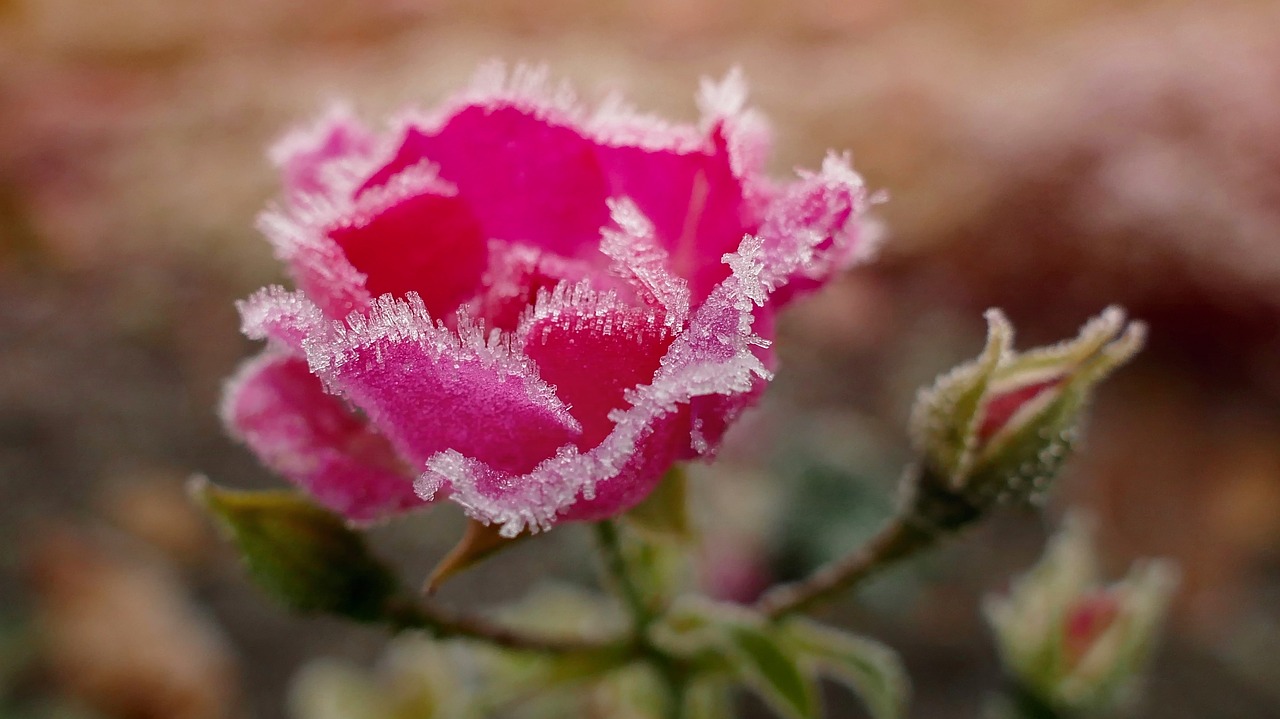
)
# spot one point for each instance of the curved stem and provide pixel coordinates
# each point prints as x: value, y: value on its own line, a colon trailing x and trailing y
x: 405, y: 613
x: 620, y: 576
x: 898, y: 539
x: 673, y: 674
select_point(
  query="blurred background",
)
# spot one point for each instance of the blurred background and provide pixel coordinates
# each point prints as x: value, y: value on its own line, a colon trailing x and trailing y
x: 1046, y: 156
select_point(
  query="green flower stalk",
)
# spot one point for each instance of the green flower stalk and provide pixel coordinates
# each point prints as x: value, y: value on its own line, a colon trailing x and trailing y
x: 1071, y: 643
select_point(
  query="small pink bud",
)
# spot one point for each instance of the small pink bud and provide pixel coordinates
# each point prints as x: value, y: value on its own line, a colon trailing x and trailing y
x: 1085, y: 621
x: 1076, y: 644
x: 1000, y: 427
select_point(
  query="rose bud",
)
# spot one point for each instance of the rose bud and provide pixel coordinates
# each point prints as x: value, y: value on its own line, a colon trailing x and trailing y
x: 999, y: 428
x: 1070, y: 642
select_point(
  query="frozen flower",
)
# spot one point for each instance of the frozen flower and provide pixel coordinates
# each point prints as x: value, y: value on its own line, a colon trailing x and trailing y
x: 1073, y: 643
x: 1000, y: 427
x: 532, y: 308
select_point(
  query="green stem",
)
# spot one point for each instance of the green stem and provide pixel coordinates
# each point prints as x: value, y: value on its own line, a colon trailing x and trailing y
x: 406, y: 613
x: 1026, y: 705
x: 675, y: 675
x: 898, y: 539
x: 675, y: 679
x: 619, y: 575
x: 930, y: 512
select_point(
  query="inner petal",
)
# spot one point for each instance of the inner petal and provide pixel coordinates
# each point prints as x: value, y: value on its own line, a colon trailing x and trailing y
x: 593, y: 348
x: 693, y: 199
x: 527, y: 179
x: 427, y: 242
x: 518, y: 273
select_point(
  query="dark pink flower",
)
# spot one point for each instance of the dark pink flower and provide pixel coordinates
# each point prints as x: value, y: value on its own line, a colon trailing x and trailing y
x: 532, y: 308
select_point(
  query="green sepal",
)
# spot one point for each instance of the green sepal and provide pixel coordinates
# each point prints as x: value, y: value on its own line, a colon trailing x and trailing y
x: 304, y: 556
x: 664, y: 514
x: 869, y: 668
x: 773, y: 671
x: 723, y: 638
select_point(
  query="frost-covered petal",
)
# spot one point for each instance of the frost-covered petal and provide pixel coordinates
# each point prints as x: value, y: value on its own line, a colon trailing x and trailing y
x: 283, y: 317
x: 317, y: 263
x: 812, y: 230
x: 429, y: 388
x: 518, y: 272
x: 526, y: 179
x: 537, y: 169
x: 281, y: 411
x: 414, y: 234
x: 694, y: 200
x: 637, y: 258
x: 712, y: 357
x: 593, y: 348
x: 307, y: 156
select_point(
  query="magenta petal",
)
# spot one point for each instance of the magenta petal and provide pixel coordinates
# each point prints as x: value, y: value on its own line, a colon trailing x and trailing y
x: 279, y: 409
x: 714, y: 356
x: 317, y: 264
x: 639, y: 260
x: 693, y: 199
x: 515, y: 276
x: 307, y: 156
x: 527, y: 179
x: 414, y: 234
x: 812, y: 230
x: 286, y: 318
x: 593, y: 349
x: 665, y: 442
x: 429, y: 388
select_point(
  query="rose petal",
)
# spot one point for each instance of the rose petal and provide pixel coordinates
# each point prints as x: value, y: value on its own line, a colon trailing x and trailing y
x: 283, y: 317
x: 316, y: 262
x: 811, y: 230
x: 593, y: 348
x: 517, y: 272
x: 527, y: 180
x: 536, y: 171
x: 714, y: 356
x: 429, y: 388
x: 280, y: 410
x: 637, y: 258
x: 306, y: 155
x: 414, y: 234
x: 693, y: 199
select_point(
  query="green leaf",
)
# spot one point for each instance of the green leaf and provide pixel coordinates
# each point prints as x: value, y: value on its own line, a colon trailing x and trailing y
x: 304, y: 556
x: 665, y: 512
x: 866, y: 666
x: 771, y: 670
x: 729, y: 638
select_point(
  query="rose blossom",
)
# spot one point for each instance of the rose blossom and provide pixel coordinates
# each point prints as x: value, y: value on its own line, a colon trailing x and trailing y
x: 533, y: 309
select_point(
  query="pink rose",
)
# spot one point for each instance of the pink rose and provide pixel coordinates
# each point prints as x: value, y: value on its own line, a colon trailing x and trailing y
x: 532, y: 308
